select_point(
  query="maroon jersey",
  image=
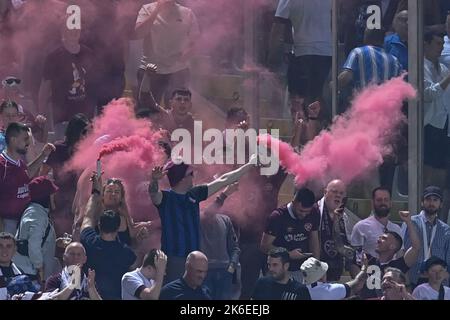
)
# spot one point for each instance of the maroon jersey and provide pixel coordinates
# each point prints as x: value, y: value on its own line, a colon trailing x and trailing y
x: 14, y: 193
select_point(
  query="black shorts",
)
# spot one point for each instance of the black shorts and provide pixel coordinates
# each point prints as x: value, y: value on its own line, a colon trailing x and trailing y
x: 307, y: 74
x: 437, y: 147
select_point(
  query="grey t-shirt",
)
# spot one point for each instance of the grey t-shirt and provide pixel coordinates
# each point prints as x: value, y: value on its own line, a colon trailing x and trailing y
x: 133, y: 283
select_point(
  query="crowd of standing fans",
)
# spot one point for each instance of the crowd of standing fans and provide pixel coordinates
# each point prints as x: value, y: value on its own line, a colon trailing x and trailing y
x: 225, y: 236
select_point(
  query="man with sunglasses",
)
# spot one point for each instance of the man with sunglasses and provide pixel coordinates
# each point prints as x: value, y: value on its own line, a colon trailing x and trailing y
x: 179, y: 209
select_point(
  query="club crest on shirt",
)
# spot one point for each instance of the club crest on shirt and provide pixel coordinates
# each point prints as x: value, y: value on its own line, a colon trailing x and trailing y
x: 308, y: 227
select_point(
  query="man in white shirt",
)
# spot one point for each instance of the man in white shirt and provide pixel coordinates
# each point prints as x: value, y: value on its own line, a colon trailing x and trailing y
x: 445, y: 55
x: 366, y: 232
x: 436, y: 271
x: 437, y: 109
x: 145, y: 282
x: 315, y: 277
x: 310, y: 62
x: 169, y: 31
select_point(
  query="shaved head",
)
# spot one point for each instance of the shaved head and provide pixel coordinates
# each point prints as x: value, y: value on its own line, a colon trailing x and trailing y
x: 75, y: 253
x: 335, y: 192
x: 196, y: 269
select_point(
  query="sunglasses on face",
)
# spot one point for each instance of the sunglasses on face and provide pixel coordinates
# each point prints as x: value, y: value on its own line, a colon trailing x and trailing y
x: 11, y: 81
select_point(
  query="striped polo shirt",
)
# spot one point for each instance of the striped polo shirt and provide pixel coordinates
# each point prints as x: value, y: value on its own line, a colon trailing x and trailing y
x: 371, y: 64
x: 180, y: 221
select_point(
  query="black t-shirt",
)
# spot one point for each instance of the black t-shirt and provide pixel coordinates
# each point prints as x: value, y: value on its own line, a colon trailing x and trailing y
x: 396, y: 263
x: 179, y: 290
x: 69, y: 74
x: 399, y: 263
x: 291, y: 233
x: 110, y: 260
x: 268, y: 289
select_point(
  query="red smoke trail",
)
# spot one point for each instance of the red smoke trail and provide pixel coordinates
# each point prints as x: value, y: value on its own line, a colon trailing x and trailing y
x: 356, y: 142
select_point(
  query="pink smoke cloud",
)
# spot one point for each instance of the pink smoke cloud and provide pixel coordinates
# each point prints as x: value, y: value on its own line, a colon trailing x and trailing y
x: 357, y: 140
x: 129, y: 150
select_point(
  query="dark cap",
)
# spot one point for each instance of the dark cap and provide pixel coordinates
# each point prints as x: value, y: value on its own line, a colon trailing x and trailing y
x: 41, y: 188
x: 176, y: 172
x: 432, y: 191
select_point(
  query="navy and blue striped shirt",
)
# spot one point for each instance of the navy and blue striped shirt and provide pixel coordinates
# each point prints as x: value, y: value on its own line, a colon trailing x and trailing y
x: 439, y: 248
x: 180, y: 221
x: 371, y: 65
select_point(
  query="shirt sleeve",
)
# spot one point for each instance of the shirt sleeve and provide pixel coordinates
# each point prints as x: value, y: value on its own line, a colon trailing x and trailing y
x: 259, y: 289
x: 167, y: 293
x: 315, y: 219
x: 433, y: 90
x: 144, y: 13
x: 88, y: 236
x: 36, y: 231
x: 273, y: 226
x: 232, y: 243
x: 132, y: 285
x: 283, y: 9
x: 417, y: 293
x: 357, y: 239
x: 130, y: 256
x: 199, y: 193
x: 352, y: 62
x: 338, y: 291
x: 53, y: 283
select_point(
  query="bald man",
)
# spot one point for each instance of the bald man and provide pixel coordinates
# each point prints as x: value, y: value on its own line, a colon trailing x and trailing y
x: 74, y: 259
x: 332, y: 232
x: 397, y: 43
x: 190, y: 286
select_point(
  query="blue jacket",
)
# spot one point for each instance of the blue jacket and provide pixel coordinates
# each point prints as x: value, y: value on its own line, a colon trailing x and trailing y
x: 399, y: 49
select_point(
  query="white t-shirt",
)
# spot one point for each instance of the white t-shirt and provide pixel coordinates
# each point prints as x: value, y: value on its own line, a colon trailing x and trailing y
x: 131, y: 282
x: 445, y: 55
x: 426, y: 292
x: 328, y: 291
x: 311, y: 23
x: 366, y: 232
x: 169, y: 37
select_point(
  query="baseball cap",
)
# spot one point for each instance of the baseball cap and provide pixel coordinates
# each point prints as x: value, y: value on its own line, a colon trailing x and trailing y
x: 313, y: 270
x: 432, y: 191
x: 177, y: 172
x: 41, y: 188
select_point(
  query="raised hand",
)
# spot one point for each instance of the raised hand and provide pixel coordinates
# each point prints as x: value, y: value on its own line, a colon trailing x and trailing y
x: 47, y: 149
x: 314, y: 110
x: 158, y: 173
x: 405, y: 216
x: 91, y: 278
